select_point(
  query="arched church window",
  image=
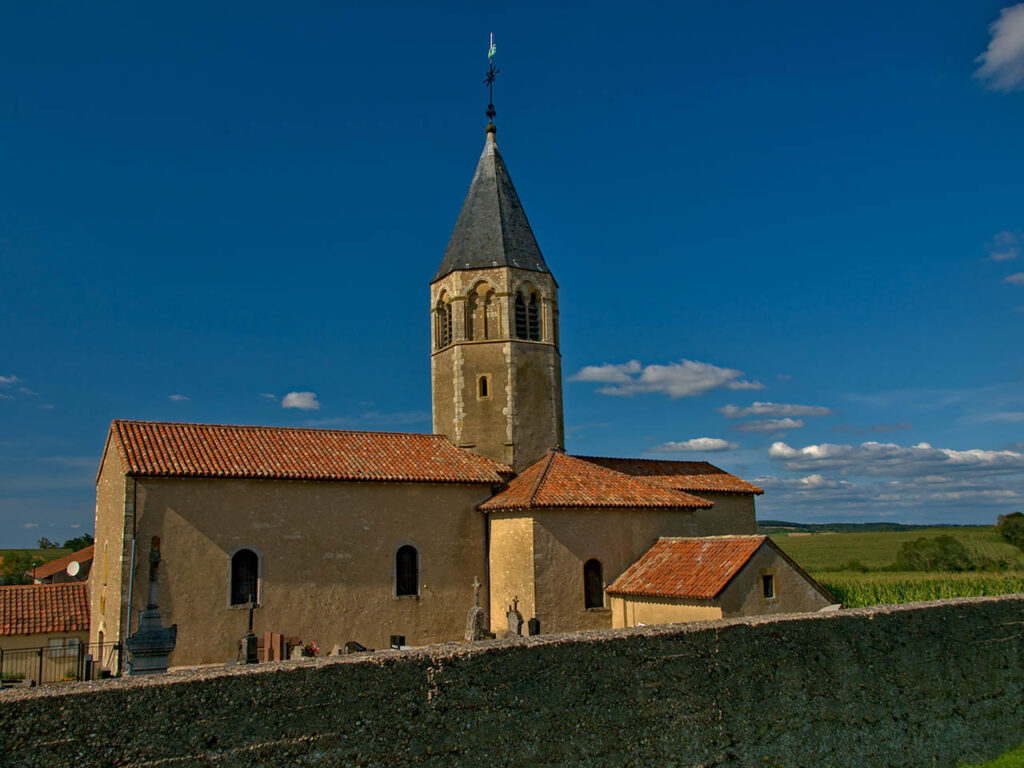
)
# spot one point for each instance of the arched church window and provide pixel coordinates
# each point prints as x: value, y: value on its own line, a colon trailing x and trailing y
x: 593, y: 584
x: 407, y: 571
x: 245, y: 575
x: 533, y: 318
x: 522, y: 331
x: 484, y: 391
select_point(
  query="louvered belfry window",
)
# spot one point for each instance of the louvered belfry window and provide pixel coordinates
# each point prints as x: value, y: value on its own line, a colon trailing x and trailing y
x: 444, y: 324
x: 245, y: 570
x: 407, y: 572
x: 522, y: 332
x: 534, y: 318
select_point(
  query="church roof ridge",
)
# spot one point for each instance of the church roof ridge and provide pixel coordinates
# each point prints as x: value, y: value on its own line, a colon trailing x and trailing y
x: 174, y: 449
x: 693, y: 476
x: 492, y: 229
x: 276, y: 427
x: 559, y: 480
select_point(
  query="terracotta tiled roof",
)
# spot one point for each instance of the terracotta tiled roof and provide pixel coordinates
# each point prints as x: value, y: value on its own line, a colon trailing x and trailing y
x: 40, y: 608
x: 160, y: 449
x: 56, y: 566
x: 697, y: 568
x: 560, y: 480
x: 692, y: 476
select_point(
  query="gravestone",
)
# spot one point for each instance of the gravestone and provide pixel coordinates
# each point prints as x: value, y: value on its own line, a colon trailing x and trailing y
x: 515, y: 620
x: 152, y: 643
x: 476, y: 619
x: 533, y: 626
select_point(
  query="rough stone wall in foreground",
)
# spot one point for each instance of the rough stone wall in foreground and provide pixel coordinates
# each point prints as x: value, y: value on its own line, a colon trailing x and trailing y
x: 920, y: 685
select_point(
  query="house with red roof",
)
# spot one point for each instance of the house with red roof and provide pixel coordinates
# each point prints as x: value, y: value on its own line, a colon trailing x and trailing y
x: 42, y: 629
x: 333, y: 535
x: 712, y: 577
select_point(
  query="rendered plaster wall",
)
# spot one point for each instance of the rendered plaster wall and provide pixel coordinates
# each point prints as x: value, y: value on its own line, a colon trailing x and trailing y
x: 636, y: 611
x: 564, y: 539
x: 511, y: 567
x: 111, y: 565
x: 327, y: 560
x: 744, y: 596
x: 732, y: 515
x: 922, y: 685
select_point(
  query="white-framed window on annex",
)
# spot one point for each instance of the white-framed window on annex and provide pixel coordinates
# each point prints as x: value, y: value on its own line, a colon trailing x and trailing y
x: 244, y: 576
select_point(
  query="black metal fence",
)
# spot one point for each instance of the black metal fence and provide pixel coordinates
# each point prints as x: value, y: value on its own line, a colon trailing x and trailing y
x: 63, y: 659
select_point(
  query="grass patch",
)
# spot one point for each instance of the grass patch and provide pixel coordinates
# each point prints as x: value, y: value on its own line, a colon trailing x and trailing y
x: 1014, y: 759
x: 876, y: 550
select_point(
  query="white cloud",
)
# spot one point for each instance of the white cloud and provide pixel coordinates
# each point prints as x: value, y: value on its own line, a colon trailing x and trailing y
x: 30, y: 525
x: 76, y: 525
x: 608, y: 373
x: 1002, y: 63
x: 304, y: 401
x: 178, y: 398
x: 1001, y: 417
x: 769, y: 425
x: 1004, y: 246
x: 46, y: 407
x: 773, y: 409
x: 6, y: 397
x: 27, y: 391
x: 268, y: 396
x: 874, y: 459
x: 1015, y: 279
x: 9, y: 379
x: 686, y: 378
x: 696, y: 444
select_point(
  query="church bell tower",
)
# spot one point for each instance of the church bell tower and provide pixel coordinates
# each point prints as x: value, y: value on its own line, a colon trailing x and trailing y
x: 495, y: 368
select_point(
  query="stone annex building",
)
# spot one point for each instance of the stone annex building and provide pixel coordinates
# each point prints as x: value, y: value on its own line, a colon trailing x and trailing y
x: 340, y: 535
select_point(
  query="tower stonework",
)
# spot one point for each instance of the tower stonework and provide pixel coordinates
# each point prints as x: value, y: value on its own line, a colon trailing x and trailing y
x: 496, y: 371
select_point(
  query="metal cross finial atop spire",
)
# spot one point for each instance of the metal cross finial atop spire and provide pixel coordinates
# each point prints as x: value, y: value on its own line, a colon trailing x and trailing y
x: 489, y: 80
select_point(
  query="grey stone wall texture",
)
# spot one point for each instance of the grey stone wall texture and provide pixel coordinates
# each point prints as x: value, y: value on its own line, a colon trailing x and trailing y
x: 919, y: 685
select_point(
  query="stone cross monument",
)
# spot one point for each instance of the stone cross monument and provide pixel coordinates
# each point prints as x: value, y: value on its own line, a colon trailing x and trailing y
x: 152, y: 643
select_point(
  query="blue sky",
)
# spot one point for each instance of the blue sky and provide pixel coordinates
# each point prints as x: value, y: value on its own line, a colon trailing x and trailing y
x: 791, y: 232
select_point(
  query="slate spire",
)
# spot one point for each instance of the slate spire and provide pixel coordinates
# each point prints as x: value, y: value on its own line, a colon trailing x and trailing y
x: 492, y: 230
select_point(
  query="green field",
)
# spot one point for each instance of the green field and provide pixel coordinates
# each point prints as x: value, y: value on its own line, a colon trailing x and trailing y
x: 819, y: 552
x: 858, y: 590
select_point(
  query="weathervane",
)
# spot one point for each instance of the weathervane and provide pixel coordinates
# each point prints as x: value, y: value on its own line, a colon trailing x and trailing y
x: 489, y: 80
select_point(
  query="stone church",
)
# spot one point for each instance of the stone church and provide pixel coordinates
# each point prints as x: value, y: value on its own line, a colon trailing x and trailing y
x: 344, y: 535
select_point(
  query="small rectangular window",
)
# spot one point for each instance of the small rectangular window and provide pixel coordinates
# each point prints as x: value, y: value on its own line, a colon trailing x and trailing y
x: 483, y: 391
x: 768, y: 586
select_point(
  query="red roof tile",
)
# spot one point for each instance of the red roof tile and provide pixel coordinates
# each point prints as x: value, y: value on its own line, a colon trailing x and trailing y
x: 160, y: 449
x: 698, y: 568
x: 692, y: 476
x: 560, y: 480
x: 41, y: 608
x: 56, y: 566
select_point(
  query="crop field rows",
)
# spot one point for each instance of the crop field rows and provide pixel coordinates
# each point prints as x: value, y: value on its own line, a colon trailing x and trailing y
x: 859, y: 569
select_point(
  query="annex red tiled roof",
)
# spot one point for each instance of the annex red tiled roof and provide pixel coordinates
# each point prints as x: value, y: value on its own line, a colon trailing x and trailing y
x: 56, y: 566
x: 692, y: 476
x: 698, y: 568
x: 160, y: 449
x: 560, y: 480
x: 38, y: 608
